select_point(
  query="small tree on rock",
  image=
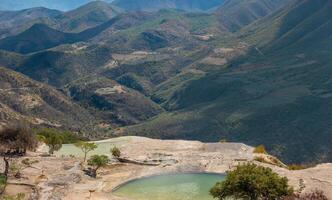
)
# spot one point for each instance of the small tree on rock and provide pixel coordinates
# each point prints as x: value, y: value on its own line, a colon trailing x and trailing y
x: 252, y: 182
x: 97, y: 161
x: 116, y: 152
x: 86, y: 147
x: 52, y: 138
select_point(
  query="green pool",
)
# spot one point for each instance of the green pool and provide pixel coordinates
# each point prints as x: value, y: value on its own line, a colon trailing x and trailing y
x: 170, y: 187
x: 103, y: 148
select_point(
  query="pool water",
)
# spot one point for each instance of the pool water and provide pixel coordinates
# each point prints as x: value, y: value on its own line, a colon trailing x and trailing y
x: 103, y: 148
x: 170, y: 187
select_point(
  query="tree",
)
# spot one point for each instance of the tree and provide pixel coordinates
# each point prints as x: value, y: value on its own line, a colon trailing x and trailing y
x: 252, y: 182
x: 116, y: 152
x: 260, y: 149
x: 14, y: 142
x: 52, y: 138
x: 97, y: 161
x: 86, y: 147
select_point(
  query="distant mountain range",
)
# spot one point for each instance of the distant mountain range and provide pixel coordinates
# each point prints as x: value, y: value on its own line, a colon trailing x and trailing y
x: 154, y: 5
x: 146, y: 5
x: 63, y: 5
x: 254, y: 71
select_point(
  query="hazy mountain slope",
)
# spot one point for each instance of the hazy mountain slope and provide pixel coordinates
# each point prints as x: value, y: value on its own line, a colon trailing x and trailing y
x: 154, y: 5
x: 23, y: 99
x: 235, y: 14
x: 26, y: 42
x: 278, y: 95
x: 77, y: 20
x: 86, y: 16
x: 111, y: 101
x: 36, y: 38
x: 297, y: 24
x: 14, y: 22
x: 53, y: 4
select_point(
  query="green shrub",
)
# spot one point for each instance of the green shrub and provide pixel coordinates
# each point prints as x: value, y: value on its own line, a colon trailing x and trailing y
x: 67, y: 136
x: 2, y: 182
x: 314, y: 195
x: 296, y: 167
x: 19, y: 196
x: 260, y: 149
x: 252, y: 182
x: 28, y: 163
x: 116, y: 152
x: 86, y: 147
x: 97, y: 161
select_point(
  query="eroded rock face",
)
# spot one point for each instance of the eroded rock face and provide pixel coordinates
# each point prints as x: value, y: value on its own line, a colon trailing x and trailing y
x: 63, y: 178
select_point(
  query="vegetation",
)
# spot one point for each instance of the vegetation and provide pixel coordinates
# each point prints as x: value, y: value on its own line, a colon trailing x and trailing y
x: 260, y: 149
x: 86, y: 147
x: 296, y: 167
x: 314, y: 195
x: 14, y: 142
x: 252, y: 182
x: 15, y: 168
x: 3, y: 182
x: 28, y: 163
x: 67, y: 136
x: 97, y: 161
x: 19, y: 196
x: 116, y: 152
x: 278, y: 89
x: 52, y: 138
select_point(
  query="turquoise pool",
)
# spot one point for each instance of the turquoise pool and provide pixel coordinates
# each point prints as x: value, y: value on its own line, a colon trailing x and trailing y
x: 103, y: 148
x: 170, y: 187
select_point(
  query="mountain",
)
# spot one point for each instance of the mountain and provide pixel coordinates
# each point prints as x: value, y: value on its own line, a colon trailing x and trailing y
x: 278, y: 94
x: 87, y: 16
x: 14, y: 22
x: 154, y: 5
x: 249, y: 71
x: 23, y: 99
x: 27, y: 41
x: 111, y: 101
x: 64, y: 5
x: 235, y: 14
x: 84, y: 17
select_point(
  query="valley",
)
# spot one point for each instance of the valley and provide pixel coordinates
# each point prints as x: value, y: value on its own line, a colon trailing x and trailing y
x: 203, y: 73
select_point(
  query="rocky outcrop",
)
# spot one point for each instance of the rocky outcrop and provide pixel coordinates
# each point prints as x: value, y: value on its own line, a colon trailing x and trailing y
x: 62, y: 178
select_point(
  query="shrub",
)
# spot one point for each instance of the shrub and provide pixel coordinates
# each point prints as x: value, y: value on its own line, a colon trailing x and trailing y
x: 252, y: 182
x: 116, y: 152
x: 314, y: 195
x: 67, y: 136
x: 223, y: 141
x: 2, y: 182
x: 19, y: 196
x: 15, y: 141
x: 86, y: 147
x: 260, y: 149
x: 28, y: 163
x: 52, y: 138
x: 296, y: 167
x: 97, y: 161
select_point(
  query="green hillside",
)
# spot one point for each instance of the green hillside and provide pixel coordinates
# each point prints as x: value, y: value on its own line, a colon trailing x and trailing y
x: 255, y: 71
x: 277, y: 95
